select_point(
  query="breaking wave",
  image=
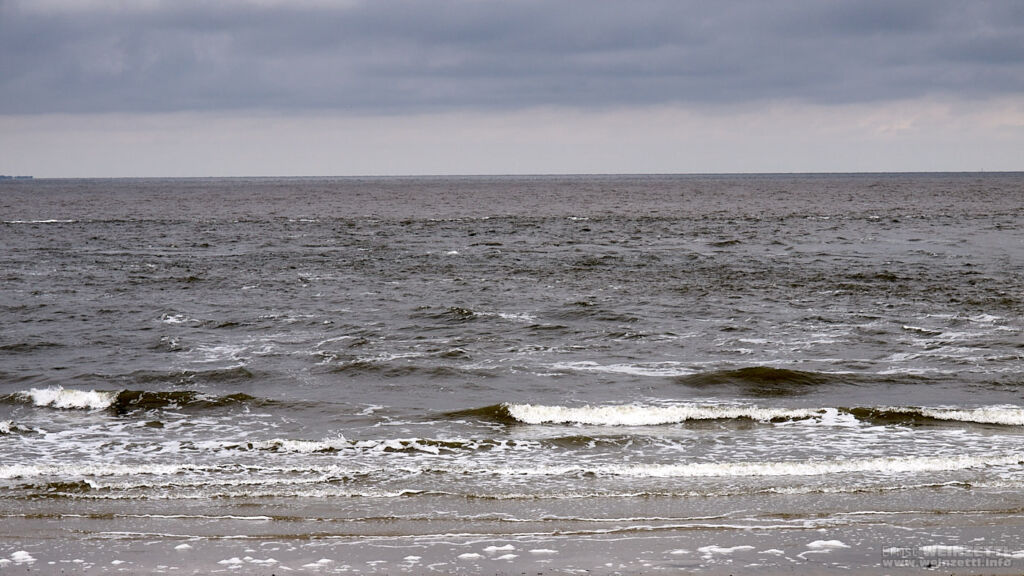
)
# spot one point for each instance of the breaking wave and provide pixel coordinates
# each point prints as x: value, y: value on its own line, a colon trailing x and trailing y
x: 123, y: 401
x: 147, y: 473
x: 638, y: 415
x: 1002, y: 415
x: 657, y: 415
x: 880, y: 465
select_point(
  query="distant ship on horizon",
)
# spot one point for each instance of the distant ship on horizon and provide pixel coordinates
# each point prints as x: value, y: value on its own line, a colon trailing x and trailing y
x: 6, y: 177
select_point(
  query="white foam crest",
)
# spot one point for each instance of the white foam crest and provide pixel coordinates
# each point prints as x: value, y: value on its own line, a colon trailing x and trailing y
x: 224, y: 352
x: 5, y: 426
x: 658, y: 369
x: 513, y: 316
x: 641, y: 415
x: 985, y: 318
x: 90, y: 470
x: 880, y: 465
x: 59, y: 397
x: 1006, y: 415
x: 50, y: 221
x: 175, y: 319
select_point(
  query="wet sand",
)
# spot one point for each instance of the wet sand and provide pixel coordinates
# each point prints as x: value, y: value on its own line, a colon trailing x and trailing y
x: 316, y: 537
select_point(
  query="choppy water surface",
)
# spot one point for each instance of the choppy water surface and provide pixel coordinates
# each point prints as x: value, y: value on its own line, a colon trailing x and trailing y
x: 433, y: 364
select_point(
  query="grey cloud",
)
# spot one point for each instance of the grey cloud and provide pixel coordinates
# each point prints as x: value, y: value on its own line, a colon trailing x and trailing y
x: 408, y: 55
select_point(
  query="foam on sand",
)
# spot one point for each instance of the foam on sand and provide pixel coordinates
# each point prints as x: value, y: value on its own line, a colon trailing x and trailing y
x: 826, y: 545
x: 22, y: 557
x: 708, y: 552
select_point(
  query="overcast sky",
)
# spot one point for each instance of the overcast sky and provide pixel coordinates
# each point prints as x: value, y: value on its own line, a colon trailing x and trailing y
x: 317, y: 87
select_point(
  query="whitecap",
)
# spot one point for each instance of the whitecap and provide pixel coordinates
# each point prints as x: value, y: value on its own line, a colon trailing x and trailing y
x: 657, y: 369
x: 175, y: 319
x: 59, y: 397
x: 517, y: 317
x: 1007, y: 415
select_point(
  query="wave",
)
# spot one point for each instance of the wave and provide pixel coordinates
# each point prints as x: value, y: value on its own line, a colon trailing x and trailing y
x: 657, y: 415
x: 1004, y: 415
x: 23, y: 347
x: 757, y: 381
x: 11, y: 427
x: 386, y: 369
x: 15, y: 471
x: 762, y: 381
x: 639, y: 415
x: 49, y: 221
x: 450, y: 315
x: 60, y: 397
x: 880, y: 465
x: 396, y: 445
x: 124, y: 401
x: 647, y: 369
x: 147, y: 475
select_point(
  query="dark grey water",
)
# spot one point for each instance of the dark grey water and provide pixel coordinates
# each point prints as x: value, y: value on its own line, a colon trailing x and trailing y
x: 508, y: 361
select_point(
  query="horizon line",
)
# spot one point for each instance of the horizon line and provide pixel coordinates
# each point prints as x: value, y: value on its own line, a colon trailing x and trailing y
x: 30, y: 178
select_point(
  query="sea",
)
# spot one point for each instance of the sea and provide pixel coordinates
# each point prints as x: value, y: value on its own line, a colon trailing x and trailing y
x: 654, y: 374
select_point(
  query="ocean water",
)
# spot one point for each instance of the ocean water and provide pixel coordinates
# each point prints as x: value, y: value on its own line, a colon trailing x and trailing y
x: 620, y: 374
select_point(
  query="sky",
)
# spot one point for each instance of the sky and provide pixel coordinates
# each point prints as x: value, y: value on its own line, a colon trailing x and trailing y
x: 115, y: 88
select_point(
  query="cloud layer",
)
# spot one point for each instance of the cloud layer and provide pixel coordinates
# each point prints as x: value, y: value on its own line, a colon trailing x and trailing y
x: 409, y: 56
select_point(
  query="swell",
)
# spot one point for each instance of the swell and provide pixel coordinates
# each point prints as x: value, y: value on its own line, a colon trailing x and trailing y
x: 763, y: 381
